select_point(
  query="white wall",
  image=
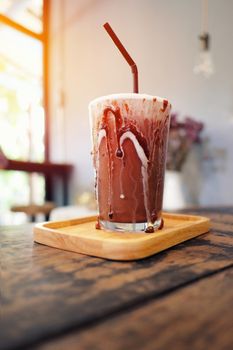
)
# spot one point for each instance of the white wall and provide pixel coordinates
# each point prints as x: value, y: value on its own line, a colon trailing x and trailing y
x: 161, y: 36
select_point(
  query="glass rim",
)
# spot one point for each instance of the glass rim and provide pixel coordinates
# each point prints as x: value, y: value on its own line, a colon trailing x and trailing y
x: 129, y: 95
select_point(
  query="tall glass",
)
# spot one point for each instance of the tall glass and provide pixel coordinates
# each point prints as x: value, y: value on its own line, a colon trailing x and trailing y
x: 130, y: 134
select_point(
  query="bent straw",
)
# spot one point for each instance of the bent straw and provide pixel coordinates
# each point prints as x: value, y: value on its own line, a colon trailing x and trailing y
x: 126, y: 55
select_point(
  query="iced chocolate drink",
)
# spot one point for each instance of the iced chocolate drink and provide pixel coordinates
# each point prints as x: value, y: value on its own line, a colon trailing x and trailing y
x: 130, y: 133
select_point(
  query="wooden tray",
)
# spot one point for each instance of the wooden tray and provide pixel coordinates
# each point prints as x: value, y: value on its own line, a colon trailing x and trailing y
x: 81, y: 236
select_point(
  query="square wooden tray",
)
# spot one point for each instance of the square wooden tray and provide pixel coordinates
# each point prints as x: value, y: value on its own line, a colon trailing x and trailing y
x: 81, y: 236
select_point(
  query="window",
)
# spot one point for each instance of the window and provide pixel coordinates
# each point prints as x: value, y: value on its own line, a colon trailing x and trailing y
x: 23, y: 98
x: 27, y: 13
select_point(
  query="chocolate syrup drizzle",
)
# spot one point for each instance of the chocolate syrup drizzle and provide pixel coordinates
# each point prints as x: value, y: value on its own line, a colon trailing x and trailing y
x: 120, y: 130
x: 121, y: 127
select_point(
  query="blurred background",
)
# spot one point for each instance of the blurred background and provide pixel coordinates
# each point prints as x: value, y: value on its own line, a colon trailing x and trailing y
x: 55, y: 57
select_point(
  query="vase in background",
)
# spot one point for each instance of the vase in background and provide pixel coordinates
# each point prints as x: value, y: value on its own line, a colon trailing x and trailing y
x: 173, y: 197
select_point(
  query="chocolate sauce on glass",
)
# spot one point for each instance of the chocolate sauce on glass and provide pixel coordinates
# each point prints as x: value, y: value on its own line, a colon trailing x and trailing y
x: 120, y: 129
x: 129, y: 158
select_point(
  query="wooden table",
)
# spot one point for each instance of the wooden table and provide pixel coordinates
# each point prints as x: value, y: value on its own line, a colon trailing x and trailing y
x: 179, y: 299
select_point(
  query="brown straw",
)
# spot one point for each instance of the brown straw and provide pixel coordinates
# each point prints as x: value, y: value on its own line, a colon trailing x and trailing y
x: 125, y: 54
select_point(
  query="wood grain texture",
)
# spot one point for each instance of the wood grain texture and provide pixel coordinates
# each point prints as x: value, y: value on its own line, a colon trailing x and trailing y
x: 196, y: 317
x: 81, y: 236
x: 46, y: 292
